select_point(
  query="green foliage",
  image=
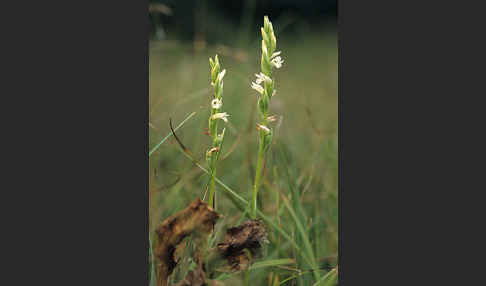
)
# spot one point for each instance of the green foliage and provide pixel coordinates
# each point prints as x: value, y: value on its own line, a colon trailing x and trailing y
x: 299, y: 181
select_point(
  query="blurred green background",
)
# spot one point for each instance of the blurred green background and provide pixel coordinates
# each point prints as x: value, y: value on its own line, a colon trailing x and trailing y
x: 184, y: 34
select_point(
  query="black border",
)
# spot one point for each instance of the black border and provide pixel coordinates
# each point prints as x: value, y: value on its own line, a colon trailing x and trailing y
x: 84, y: 179
x: 87, y: 127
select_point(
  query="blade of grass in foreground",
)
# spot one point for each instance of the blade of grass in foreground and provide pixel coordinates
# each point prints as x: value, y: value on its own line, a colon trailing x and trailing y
x: 152, y: 264
x: 170, y: 134
x: 304, y: 236
x: 275, y: 262
x: 261, y: 264
x: 330, y: 279
x: 152, y: 274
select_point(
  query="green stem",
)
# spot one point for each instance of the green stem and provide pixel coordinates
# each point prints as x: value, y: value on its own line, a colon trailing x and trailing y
x: 247, y: 277
x: 261, y: 157
x: 212, y: 185
x: 214, y: 134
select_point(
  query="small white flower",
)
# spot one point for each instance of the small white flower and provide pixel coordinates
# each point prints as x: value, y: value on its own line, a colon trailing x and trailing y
x: 261, y: 77
x: 214, y: 149
x: 221, y: 75
x: 222, y: 115
x: 257, y: 87
x: 272, y: 118
x: 277, y: 62
x: 216, y: 103
x: 263, y: 127
x: 275, y: 54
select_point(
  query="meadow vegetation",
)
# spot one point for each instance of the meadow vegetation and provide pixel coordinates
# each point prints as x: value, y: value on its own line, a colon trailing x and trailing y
x: 298, y: 189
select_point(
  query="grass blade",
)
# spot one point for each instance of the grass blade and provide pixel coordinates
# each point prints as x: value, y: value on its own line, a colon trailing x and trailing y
x: 274, y: 262
x: 170, y: 134
x: 152, y: 264
x: 304, y: 236
x: 330, y: 279
x: 260, y: 264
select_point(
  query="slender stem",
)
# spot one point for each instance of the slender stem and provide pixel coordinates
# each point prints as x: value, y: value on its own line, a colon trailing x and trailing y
x: 260, y: 160
x: 247, y: 277
x: 214, y: 134
x: 212, y: 185
x: 257, y: 180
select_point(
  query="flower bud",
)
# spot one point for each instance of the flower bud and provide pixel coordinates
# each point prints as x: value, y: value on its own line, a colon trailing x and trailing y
x: 212, y: 126
x: 266, y: 135
x: 266, y: 38
x: 266, y: 23
x: 221, y: 115
x: 209, y: 158
x: 211, y: 63
x: 219, y: 139
x: 266, y: 65
x: 263, y: 104
x: 272, y: 118
x: 273, y: 42
x: 216, y: 103
x: 214, y: 72
x: 267, y: 141
x: 268, y: 86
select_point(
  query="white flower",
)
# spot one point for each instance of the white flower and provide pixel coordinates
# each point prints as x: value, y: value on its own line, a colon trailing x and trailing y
x: 216, y: 103
x: 257, y: 87
x: 275, y: 54
x: 263, y: 127
x: 214, y: 149
x: 277, y: 62
x: 272, y: 118
x: 261, y: 77
x: 222, y: 115
x: 221, y: 75
x: 220, y: 136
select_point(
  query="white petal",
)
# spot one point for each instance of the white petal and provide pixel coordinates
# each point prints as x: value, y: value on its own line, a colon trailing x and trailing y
x: 262, y: 77
x: 221, y: 75
x: 222, y: 115
x: 257, y: 87
x: 216, y: 103
x: 275, y: 54
x: 277, y: 62
x: 263, y: 127
x: 259, y: 78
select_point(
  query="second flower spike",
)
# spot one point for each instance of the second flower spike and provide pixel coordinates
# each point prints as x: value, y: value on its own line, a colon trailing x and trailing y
x: 212, y: 154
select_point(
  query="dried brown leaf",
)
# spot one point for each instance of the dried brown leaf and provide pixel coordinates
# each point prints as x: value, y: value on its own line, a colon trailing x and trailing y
x: 249, y: 236
x: 197, y: 220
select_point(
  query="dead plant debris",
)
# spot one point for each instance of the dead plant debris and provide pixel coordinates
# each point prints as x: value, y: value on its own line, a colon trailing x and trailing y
x: 197, y: 220
x: 249, y: 236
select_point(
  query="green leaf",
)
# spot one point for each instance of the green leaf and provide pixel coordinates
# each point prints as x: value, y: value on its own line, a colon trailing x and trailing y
x: 330, y: 279
x: 304, y: 236
x: 273, y: 262
x: 260, y: 264
x: 170, y: 134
